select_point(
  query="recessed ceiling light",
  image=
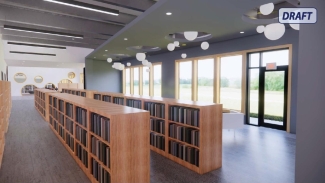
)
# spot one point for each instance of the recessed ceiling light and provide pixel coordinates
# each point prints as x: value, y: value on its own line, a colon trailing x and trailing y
x: 94, y: 57
x: 125, y: 39
x: 168, y: 13
x: 183, y: 44
x: 105, y: 50
x: 242, y: 32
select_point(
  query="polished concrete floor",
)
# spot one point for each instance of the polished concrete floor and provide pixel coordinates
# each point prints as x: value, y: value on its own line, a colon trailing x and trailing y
x: 33, y: 154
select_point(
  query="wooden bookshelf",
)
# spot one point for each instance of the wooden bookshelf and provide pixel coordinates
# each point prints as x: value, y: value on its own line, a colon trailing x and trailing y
x: 209, y: 129
x: 79, y: 92
x: 75, y: 120
x: 41, y: 100
x: 5, y: 111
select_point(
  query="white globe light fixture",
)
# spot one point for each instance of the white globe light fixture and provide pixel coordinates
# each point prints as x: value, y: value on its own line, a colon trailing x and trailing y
x: 140, y: 56
x: 109, y: 60
x: 295, y: 26
x: 184, y: 55
x: 171, y: 47
x: 128, y: 64
x: 205, y: 45
x: 149, y: 64
x: 260, y: 29
x: 176, y: 43
x: 274, y: 31
x: 267, y: 9
x: 191, y: 35
x: 144, y: 62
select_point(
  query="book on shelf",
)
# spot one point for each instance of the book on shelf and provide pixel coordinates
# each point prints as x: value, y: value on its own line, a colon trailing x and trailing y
x: 69, y: 109
x: 61, y: 119
x: 82, y: 154
x: 100, y: 126
x: 184, y: 115
x: 69, y: 140
x: 185, y: 134
x: 81, y: 135
x: 81, y: 116
x: 107, y: 98
x: 99, y: 173
x: 134, y: 103
x: 100, y: 150
x: 118, y: 100
x: 97, y: 96
x: 61, y: 131
x: 83, y: 94
x: 186, y: 153
x: 55, y: 100
x: 157, y: 140
x: 157, y: 125
x: 61, y: 105
x: 155, y: 109
x: 69, y: 125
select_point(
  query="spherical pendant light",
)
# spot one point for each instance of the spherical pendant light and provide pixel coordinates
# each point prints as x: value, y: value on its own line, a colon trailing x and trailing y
x: 140, y: 56
x: 128, y: 64
x: 260, y: 29
x: 149, y: 64
x: 191, y: 35
x: 184, y: 55
x: 205, y: 45
x: 109, y: 60
x: 274, y: 31
x: 295, y: 26
x: 144, y: 62
x: 171, y: 47
x: 267, y: 9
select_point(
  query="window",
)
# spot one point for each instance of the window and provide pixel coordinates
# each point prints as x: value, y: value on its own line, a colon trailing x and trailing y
x: 145, y: 82
x: 136, y: 87
x: 205, y: 80
x: 230, y: 82
x: 127, y: 81
x: 185, y: 80
x: 157, y: 80
x: 280, y: 57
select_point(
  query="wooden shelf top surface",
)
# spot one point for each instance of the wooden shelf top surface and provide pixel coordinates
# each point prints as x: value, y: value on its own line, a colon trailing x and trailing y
x: 169, y: 101
x: 97, y: 106
x: 43, y: 90
x: 81, y: 90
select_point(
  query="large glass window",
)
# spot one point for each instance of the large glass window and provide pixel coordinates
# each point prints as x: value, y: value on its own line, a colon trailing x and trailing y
x: 127, y: 81
x: 185, y: 80
x: 205, y: 80
x: 136, y: 81
x: 157, y: 80
x: 145, y: 81
x: 230, y: 82
x: 280, y: 57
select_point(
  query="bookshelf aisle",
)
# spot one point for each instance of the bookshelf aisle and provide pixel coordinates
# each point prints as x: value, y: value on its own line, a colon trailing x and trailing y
x: 41, y: 98
x: 189, y: 133
x: 79, y: 92
x: 108, y: 141
x: 5, y: 110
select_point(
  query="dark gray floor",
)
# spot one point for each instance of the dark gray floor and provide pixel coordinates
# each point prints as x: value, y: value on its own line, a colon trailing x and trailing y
x: 34, y: 154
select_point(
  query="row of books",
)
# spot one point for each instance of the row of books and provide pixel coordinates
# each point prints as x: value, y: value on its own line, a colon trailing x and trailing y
x: 133, y: 103
x: 100, y: 150
x: 157, y: 140
x: 100, y: 126
x: 184, y: 115
x: 61, y: 105
x: 157, y: 125
x: 61, y: 132
x: 78, y: 93
x: 118, y: 100
x: 81, y: 116
x: 81, y: 135
x: 185, y: 134
x: 107, y: 98
x: 61, y: 119
x: 99, y: 173
x: 51, y: 121
x: 83, y: 94
x: 55, y: 102
x: 184, y: 152
x: 97, y: 97
x: 55, y: 125
x: 69, y: 110
x: 82, y: 154
x: 69, y: 140
x: 69, y: 125
x: 55, y: 114
x: 155, y: 109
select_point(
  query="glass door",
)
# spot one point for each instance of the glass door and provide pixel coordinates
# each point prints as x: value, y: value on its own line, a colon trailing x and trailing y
x: 273, y: 96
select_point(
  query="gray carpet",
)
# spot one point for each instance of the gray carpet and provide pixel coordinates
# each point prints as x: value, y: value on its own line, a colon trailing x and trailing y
x: 34, y: 154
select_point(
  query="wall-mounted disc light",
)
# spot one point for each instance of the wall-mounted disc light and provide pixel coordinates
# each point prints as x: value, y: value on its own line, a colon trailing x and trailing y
x: 205, y: 45
x: 128, y: 64
x: 191, y: 35
x: 295, y: 26
x: 141, y: 56
x: 267, y: 9
x: 171, y: 47
x: 184, y: 55
x: 109, y: 60
x: 260, y: 29
x: 274, y: 31
x: 144, y: 62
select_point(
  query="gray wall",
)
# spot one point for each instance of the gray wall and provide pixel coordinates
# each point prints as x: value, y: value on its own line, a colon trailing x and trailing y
x: 102, y: 77
x: 251, y: 42
x: 310, y: 146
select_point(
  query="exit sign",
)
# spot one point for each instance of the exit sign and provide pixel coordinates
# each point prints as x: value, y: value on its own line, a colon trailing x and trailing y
x: 271, y: 66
